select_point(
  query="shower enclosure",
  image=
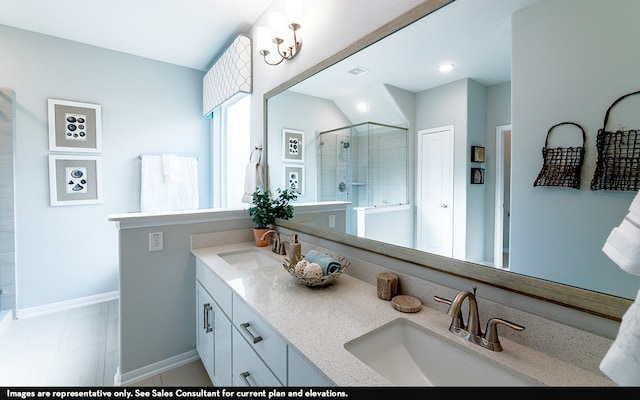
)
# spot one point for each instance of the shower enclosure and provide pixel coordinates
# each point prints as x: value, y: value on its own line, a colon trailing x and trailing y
x: 365, y: 164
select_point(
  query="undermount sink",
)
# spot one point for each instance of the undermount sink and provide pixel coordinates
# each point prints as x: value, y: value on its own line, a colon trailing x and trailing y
x: 407, y: 354
x: 249, y: 259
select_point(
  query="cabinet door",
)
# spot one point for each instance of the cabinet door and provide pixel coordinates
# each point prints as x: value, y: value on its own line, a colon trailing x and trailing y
x: 213, y: 341
x: 303, y: 373
x: 222, y: 350
x: 204, y: 327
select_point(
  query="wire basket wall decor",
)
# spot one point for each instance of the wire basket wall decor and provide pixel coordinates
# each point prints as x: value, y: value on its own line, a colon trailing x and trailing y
x: 618, y: 163
x: 561, y: 166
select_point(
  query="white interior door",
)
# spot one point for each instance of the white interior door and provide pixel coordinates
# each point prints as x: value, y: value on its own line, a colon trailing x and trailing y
x: 502, y: 195
x: 435, y: 191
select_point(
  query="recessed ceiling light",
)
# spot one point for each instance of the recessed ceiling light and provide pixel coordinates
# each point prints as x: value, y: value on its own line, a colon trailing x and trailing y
x: 362, y: 107
x: 446, y: 67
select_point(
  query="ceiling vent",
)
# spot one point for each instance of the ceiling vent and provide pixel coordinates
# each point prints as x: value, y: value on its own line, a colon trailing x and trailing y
x: 358, y: 71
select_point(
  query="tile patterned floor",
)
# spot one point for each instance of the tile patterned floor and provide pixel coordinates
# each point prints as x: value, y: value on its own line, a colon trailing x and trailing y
x: 76, y: 347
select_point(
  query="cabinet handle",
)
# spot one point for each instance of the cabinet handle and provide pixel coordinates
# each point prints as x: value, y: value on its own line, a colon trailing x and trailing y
x: 245, y: 327
x: 244, y: 375
x: 207, y: 326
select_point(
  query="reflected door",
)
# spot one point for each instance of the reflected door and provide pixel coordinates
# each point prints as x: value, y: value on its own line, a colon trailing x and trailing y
x: 435, y: 191
x: 503, y: 191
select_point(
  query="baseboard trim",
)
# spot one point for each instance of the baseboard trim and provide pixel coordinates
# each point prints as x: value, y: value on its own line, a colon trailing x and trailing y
x: 159, y: 367
x: 65, y: 305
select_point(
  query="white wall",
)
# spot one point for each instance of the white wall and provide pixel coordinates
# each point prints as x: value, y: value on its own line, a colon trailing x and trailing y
x: 498, y: 114
x: 559, y: 60
x: 476, y: 136
x: 148, y: 107
x: 443, y: 106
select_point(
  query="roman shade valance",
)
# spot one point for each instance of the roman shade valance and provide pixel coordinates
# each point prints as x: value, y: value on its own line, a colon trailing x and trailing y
x: 229, y: 75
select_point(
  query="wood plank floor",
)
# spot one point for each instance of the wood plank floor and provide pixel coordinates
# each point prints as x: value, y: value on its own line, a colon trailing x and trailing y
x: 76, y: 347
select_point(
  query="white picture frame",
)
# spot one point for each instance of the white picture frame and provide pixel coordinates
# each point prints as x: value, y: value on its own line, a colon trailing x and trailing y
x: 293, y: 145
x: 294, y: 178
x: 75, y: 180
x: 74, y: 126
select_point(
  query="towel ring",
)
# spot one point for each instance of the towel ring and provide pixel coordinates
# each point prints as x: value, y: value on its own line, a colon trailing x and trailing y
x: 259, y: 149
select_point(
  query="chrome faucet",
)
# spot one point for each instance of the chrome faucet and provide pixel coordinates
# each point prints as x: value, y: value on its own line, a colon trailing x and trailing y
x: 471, y: 331
x: 278, y: 246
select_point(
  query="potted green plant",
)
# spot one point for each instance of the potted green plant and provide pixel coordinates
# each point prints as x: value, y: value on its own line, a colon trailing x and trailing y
x: 266, y: 208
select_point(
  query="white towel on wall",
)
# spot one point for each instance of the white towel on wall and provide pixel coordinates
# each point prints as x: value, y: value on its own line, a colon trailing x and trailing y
x: 622, y: 362
x: 179, y: 192
x: 170, y: 168
x: 252, y: 181
x: 623, y: 246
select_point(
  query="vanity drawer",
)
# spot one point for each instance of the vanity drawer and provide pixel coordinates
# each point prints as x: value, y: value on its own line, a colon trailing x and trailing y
x: 218, y: 289
x: 259, y: 336
x: 248, y: 368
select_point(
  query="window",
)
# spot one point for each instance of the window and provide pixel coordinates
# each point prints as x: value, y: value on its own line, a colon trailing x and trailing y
x: 231, y: 143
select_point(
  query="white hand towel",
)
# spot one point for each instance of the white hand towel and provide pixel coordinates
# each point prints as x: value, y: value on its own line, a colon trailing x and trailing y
x: 252, y: 181
x: 623, y: 247
x: 156, y: 194
x: 622, y: 361
x: 170, y: 168
x: 635, y: 205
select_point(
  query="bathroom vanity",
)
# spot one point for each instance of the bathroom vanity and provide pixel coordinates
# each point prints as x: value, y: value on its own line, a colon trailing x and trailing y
x: 258, y: 326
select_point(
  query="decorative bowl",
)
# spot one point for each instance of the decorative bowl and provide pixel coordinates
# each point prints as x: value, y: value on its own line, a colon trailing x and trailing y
x: 311, y: 281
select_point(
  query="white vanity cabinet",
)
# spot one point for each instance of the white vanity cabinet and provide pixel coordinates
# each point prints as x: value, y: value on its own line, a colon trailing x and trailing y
x: 213, y: 326
x: 237, y: 346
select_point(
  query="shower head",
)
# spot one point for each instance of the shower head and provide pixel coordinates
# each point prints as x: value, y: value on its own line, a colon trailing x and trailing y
x: 345, y: 145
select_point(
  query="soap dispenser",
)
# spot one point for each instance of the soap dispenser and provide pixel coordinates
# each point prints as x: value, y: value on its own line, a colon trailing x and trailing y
x: 295, y: 247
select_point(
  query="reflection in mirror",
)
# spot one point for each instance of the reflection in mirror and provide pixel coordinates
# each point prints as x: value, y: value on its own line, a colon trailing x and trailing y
x: 366, y: 165
x: 502, y: 80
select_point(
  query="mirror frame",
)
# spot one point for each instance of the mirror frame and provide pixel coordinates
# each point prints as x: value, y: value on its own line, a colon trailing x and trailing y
x: 600, y: 304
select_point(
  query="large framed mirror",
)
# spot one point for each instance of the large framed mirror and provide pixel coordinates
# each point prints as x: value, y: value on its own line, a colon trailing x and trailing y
x: 520, y: 67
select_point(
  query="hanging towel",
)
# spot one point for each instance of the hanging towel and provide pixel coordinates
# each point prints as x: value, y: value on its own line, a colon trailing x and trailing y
x: 623, y: 246
x: 252, y: 181
x: 178, y: 193
x: 253, y: 177
x: 622, y: 361
x: 170, y: 168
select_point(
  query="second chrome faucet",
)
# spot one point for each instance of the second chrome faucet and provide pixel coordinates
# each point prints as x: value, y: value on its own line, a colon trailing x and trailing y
x: 471, y: 331
x: 278, y: 244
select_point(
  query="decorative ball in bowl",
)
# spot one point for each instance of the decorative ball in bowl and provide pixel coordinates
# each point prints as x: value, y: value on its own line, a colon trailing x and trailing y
x: 313, y: 274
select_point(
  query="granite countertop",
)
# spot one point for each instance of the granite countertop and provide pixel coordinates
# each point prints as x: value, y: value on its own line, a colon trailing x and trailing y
x: 319, y: 321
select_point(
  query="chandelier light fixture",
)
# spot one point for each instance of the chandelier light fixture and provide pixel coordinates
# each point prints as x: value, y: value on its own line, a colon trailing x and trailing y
x: 282, y: 35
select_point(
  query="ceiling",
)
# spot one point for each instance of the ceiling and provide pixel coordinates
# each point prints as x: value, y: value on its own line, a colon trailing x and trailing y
x: 474, y: 35
x: 189, y: 33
